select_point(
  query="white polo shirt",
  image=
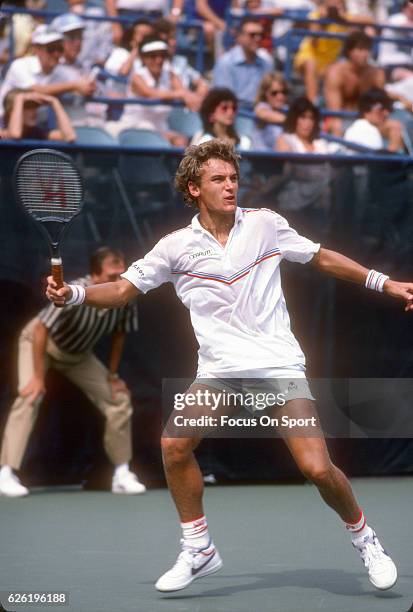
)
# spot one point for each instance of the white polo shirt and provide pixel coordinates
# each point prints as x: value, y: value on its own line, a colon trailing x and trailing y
x: 233, y: 293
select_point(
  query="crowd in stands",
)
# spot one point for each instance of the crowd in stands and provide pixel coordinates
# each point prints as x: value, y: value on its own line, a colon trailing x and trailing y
x: 351, y: 79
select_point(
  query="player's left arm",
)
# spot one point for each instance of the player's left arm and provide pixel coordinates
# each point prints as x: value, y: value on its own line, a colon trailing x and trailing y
x: 338, y: 265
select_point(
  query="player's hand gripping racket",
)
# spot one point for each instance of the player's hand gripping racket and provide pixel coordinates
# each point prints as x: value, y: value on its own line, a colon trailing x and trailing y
x: 49, y: 187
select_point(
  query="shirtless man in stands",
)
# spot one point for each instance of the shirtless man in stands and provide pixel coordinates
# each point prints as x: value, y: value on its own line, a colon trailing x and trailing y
x: 347, y: 79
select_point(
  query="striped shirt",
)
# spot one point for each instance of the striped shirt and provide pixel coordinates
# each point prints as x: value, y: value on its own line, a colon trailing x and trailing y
x: 76, y: 329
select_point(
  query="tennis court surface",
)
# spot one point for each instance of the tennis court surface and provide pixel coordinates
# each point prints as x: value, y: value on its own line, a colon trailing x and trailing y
x: 283, y: 549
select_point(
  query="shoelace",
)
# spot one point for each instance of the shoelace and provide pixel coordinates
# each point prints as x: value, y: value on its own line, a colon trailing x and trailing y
x: 184, y: 559
x: 372, y: 552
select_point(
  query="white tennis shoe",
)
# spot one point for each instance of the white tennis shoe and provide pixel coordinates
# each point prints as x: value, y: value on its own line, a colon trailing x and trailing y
x: 127, y: 483
x: 381, y: 569
x: 10, y: 485
x: 192, y: 563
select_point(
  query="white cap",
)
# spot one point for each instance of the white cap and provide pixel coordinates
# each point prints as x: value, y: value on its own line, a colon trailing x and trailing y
x: 44, y: 35
x: 154, y: 45
x: 68, y: 22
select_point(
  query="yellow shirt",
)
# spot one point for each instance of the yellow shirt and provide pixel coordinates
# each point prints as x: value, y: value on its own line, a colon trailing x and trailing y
x: 324, y: 51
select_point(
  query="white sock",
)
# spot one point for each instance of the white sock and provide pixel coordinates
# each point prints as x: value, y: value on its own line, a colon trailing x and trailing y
x: 359, y: 529
x: 195, y: 533
x: 5, y: 471
x: 121, y: 469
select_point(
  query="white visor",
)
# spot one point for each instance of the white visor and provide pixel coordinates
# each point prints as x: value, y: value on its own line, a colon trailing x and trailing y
x: 156, y: 45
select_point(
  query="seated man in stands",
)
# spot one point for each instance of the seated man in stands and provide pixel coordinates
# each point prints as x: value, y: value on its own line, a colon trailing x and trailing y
x: 190, y: 78
x: 97, y: 35
x: 71, y: 68
x: 41, y: 72
x: 374, y: 124
x: 242, y: 67
x: 21, y: 117
x: 347, y: 80
x: 155, y: 80
x: 316, y: 54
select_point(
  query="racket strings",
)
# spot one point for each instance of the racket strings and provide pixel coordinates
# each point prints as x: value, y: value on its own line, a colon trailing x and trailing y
x: 49, y: 186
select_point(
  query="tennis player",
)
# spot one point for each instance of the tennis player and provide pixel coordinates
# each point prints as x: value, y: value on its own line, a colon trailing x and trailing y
x: 225, y: 267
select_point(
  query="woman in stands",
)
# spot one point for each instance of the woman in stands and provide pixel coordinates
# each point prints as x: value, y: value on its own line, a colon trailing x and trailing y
x: 301, y: 130
x: 218, y: 114
x: 304, y: 184
x: 21, y: 117
x: 270, y: 111
x: 154, y: 80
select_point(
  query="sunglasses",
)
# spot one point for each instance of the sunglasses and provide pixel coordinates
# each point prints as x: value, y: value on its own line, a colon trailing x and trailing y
x: 74, y: 35
x: 155, y: 55
x: 276, y: 92
x: 54, y: 49
x: 254, y: 34
x: 226, y: 106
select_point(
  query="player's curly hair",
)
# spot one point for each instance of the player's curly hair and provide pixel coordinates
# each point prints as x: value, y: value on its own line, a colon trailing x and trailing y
x: 190, y: 168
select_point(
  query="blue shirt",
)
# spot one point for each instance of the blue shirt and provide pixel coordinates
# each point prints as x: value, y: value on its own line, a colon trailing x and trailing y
x: 233, y: 71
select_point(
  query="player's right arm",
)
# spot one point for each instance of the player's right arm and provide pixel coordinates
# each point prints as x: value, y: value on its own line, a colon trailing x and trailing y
x: 105, y: 295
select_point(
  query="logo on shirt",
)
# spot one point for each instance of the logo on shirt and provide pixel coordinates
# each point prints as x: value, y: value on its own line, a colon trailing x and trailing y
x: 193, y: 256
x: 138, y: 269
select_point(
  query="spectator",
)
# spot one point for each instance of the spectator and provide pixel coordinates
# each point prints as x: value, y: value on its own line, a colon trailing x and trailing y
x: 265, y: 13
x: 377, y: 10
x: 22, y: 26
x: 4, y: 42
x: 392, y: 52
x: 346, y: 80
x: 315, y: 55
x: 213, y: 14
x: 125, y: 58
x: 301, y: 129
x: 154, y: 81
x: 218, y: 114
x: 242, y: 68
x: 374, y: 124
x: 281, y: 26
x: 70, y: 68
x: 301, y: 184
x: 136, y: 9
x: 270, y: 111
x: 41, y: 72
x: 190, y: 78
x: 21, y: 117
x: 97, y: 35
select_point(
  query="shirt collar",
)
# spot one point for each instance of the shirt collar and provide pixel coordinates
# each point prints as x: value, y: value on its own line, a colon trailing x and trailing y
x: 239, y: 56
x: 197, y: 227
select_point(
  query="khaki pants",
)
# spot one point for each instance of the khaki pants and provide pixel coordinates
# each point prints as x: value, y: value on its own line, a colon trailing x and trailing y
x: 87, y: 373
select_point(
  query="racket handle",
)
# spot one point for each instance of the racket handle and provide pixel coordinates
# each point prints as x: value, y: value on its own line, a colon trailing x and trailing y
x: 57, y: 273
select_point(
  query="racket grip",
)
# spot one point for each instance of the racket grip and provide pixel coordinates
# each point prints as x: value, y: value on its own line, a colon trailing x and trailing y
x: 57, y: 273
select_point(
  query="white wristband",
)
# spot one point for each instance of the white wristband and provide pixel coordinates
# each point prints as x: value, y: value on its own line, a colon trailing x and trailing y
x: 375, y: 280
x: 78, y: 295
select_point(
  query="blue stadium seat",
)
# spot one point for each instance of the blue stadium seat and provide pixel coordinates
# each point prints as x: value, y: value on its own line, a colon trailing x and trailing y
x: 145, y: 181
x: 94, y: 136
x: 185, y: 122
x: 134, y: 137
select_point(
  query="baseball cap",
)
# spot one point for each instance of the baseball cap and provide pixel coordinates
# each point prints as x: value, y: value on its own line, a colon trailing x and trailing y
x: 45, y: 34
x: 68, y: 22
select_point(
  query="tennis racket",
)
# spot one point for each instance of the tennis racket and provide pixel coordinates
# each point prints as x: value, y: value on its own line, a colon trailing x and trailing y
x: 48, y: 186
